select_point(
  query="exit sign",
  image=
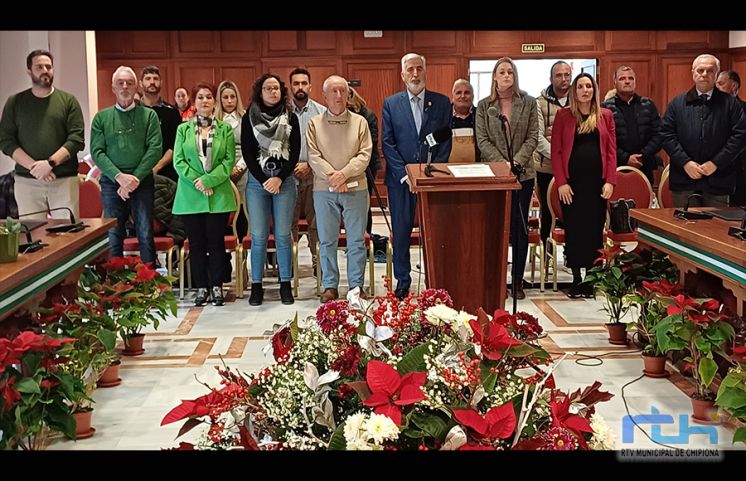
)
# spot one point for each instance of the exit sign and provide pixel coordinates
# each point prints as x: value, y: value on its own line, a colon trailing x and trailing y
x: 372, y: 33
x: 532, y: 48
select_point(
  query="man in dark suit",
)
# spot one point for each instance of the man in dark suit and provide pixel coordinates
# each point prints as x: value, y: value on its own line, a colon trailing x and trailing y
x: 408, y: 117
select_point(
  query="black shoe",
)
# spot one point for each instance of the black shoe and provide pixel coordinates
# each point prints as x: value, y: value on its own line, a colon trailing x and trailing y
x: 217, y: 296
x: 519, y: 294
x: 401, y: 293
x: 575, y: 291
x: 587, y: 291
x: 257, y: 294
x: 286, y: 293
x: 202, y: 296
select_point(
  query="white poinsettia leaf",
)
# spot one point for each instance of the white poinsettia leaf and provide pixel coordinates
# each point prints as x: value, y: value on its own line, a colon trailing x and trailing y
x: 525, y: 373
x: 329, y: 376
x: 311, y: 376
x: 478, y: 396
x: 455, y: 438
x: 378, y: 333
x: 463, y: 333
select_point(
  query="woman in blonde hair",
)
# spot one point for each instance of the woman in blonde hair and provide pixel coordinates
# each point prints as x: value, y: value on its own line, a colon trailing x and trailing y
x: 509, y: 110
x: 230, y: 110
x: 584, y: 165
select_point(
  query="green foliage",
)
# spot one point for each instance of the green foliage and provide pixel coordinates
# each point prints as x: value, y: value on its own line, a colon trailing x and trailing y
x: 732, y: 397
x: 11, y: 226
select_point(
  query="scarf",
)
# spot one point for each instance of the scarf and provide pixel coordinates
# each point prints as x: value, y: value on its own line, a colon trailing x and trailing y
x: 272, y: 131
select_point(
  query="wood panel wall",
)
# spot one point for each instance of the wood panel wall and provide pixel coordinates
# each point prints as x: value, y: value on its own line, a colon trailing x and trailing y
x: 661, y: 59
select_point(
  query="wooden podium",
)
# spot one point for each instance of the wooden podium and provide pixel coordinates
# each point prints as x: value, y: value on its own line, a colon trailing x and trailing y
x: 466, y: 225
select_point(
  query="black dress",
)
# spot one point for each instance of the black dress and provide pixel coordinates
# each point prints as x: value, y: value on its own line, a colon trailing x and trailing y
x: 585, y: 217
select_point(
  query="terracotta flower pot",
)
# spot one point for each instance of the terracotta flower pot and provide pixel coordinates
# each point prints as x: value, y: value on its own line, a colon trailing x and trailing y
x: 133, y: 345
x: 704, y: 411
x: 110, y: 377
x: 83, y: 429
x: 617, y: 333
x: 655, y: 366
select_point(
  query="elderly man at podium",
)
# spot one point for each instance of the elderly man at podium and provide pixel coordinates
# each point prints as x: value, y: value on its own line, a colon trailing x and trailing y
x: 408, y: 117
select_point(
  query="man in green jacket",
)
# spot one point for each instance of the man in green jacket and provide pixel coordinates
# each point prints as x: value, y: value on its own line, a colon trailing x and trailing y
x: 126, y: 144
x: 42, y: 130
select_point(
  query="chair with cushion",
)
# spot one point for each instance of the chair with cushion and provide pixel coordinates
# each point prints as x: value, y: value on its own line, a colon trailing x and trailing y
x: 631, y: 184
x: 245, y: 247
x: 665, y: 199
x: 91, y: 206
x: 556, y: 235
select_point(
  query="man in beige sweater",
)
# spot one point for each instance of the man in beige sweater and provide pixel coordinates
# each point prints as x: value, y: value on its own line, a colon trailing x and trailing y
x: 339, y: 148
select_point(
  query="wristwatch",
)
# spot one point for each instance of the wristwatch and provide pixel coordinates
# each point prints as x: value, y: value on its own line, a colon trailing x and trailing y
x: 51, y: 163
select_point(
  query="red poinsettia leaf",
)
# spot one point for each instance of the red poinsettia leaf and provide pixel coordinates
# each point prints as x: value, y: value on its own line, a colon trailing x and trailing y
x: 476, y: 447
x: 391, y: 411
x: 410, y: 394
x: 710, y: 305
x: 532, y: 444
x: 188, y: 426
x: 183, y: 410
x: 491, y: 355
x: 593, y: 395
x: 501, y: 421
x: 247, y: 440
x: 549, y: 383
x: 577, y: 423
x: 183, y: 446
x: 382, y: 378
x: 377, y: 399
x: 416, y: 378
x: 471, y: 419
x: 740, y: 350
x: 483, y: 320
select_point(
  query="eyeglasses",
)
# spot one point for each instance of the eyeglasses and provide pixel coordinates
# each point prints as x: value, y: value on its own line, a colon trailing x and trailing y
x: 125, y: 131
x: 271, y: 89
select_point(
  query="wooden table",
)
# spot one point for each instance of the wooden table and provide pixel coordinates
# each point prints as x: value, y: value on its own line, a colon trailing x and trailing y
x: 702, y: 244
x: 28, y: 279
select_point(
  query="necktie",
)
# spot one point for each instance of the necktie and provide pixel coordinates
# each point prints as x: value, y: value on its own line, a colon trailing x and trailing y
x: 703, y: 98
x: 417, y: 113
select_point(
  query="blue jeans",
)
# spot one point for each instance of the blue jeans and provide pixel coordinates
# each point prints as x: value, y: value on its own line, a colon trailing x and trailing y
x: 140, y: 205
x: 330, y: 208
x: 281, y: 206
x: 520, y: 203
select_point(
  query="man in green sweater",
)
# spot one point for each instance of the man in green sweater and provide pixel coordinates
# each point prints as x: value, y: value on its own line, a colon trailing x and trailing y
x: 339, y: 148
x: 42, y: 130
x: 126, y: 144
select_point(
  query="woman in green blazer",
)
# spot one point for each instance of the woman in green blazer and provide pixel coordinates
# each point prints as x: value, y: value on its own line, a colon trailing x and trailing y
x: 204, y: 156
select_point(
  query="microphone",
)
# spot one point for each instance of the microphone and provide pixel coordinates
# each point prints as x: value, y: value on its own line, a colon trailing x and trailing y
x: 686, y: 214
x: 739, y: 232
x: 71, y: 227
x: 436, y: 137
x: 492, y: 112
x: 30, y: 245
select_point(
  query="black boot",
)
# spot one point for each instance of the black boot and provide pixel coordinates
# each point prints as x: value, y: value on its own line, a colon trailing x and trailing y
x: 217, y: 296
x: 519, y: 294
x: 202, y: 296
x: 286, y: 293
x: 257, y: 294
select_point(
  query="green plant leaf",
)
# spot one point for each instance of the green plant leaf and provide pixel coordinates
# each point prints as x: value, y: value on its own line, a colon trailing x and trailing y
x: 489, y: 381
x: 432, y: 424
x: 413, y: 361
x: 707, y: 370
x: 294, y: 328
x: 108, y: 339
x: 740, y: 435
x: 337, y: 441
x: 28, y: 385
x: 731, y: 398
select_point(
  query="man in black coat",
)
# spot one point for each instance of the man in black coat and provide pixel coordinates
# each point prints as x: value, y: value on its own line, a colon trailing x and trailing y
x: 704, y: 131
x: 638, y: 125
x: 730, y: 83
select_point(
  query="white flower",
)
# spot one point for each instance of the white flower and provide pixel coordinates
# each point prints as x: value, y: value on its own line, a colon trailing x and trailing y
x: 354, y: 427
x: 380, y: 428
x: 359, y: 445
x: 462, y: 319
x: 439, y: 314
x: 603, y: 436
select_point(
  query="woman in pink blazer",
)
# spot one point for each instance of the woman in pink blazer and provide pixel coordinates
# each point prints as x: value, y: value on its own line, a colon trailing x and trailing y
x: 584, y: 165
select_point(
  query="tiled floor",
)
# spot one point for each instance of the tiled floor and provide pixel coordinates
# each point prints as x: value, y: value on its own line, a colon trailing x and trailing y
x: 186, y: 348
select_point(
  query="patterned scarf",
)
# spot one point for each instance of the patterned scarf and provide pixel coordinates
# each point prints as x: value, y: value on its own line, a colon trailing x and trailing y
x: 272, y: 131
x: 204, y: 146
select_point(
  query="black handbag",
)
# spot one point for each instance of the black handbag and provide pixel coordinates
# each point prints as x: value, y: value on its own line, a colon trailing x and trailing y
x: 620, y: 220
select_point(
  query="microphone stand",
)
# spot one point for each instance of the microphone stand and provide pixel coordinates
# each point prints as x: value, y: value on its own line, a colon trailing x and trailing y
x: 516, y: 170
x: 739, y: 232
x: 429, y: 169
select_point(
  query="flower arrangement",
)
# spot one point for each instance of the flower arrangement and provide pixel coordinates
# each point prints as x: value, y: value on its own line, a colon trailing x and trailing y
x: 398, y: 375
x: 36, y: 394
x: 135, y: 294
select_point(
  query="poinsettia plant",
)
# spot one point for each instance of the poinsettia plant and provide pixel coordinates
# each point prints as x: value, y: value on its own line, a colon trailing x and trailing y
x: 412, y: 374
x: 698, y: 327
x: 649, y: 300
x: 36, y: 394
x: 135, y: 294
x: 732, y: 395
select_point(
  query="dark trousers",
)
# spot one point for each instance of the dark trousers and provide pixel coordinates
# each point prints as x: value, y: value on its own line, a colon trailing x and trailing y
x: 371, y: 181
x: 542, y: 184
x: 140, y: 206
x: 403, y: 205
x: 520, y: 203
x: 206, y: 247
